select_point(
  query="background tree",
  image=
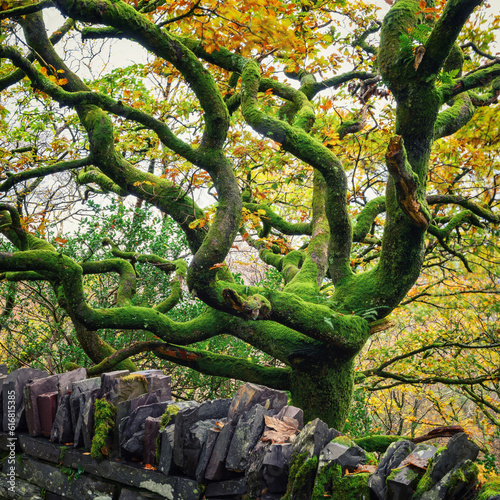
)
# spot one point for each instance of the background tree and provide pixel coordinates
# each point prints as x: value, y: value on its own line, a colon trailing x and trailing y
x: 344, y: 196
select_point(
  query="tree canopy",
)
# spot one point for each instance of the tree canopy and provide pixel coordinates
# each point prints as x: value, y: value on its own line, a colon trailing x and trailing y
x: 352, y: 154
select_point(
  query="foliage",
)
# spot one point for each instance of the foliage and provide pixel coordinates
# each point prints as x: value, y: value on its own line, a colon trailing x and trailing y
x: 351, y: 151
x: 104, y: 418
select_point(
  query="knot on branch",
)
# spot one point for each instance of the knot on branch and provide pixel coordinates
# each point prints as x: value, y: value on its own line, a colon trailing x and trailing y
x: 253, y: 307
x: 406, y: 182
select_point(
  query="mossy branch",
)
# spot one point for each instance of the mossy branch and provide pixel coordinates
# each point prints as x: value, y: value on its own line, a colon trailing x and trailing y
x: 251, y: 307
x: 337, y: 80
x: 60, y: 166
x: 94, y: 175
x: 444, y: 35
x: 127, y: 284
x: 477, y: 209
x: 226, y: 366
x: 26, y: 9
x: 366, y: 217
x: 465, y: 217
x: 111, y: 361
x: 17, y: 75
x: 277, y: 222
x: 455, y: 117
x: 477, y: 79
x: 306, y: 148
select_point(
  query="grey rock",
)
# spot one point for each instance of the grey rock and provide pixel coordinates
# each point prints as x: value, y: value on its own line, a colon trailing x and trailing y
x: 229, y: 488
x: 3, y: 369
x: 132, y: 428
x: 206, y: 453
x: 12, y: 390
x: 189, y: 415
x: 47, y: 408
x: 456, y: 484
x: 127, y: 494
x: 256, y: 483
x: 347, y: 457
x: 313, y: 438
x: 216, y: 469
x: 166, y: 449
x: 65, y: 380
x: 121, y: 385
x: 31, y: 392
x: 275, y: 467
x: 171, y: 487
x: 393, y: 456
x: 458, y: 448
x: 123, y: 411
x: 40, y: 448
x: 193, y: 445
x: 77, y: 388
x: 54, y: 480
x: 151, y: 430
x: 247, y: 432
x: 249, y: 395
x: 62, y: 430
x: 292, y: 412
x: 85, y: 423
x: 401, y: 484
x: 22, y: 489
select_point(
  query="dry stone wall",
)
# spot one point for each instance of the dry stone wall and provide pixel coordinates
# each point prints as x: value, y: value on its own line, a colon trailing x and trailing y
x: 120, y: 436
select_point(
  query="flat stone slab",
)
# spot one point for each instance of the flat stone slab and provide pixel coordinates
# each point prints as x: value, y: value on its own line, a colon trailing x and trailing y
x: 229, y: 488
x: 42, y: 448
x: 53, y: 479
x: 171, y: 487
x: 22, y: 489
x: 128, y: 494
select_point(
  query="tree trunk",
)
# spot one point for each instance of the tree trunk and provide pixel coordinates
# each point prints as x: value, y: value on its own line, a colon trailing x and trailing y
x: 323, y: 389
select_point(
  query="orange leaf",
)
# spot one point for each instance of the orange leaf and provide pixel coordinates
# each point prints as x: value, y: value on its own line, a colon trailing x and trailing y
x: 422, y: 5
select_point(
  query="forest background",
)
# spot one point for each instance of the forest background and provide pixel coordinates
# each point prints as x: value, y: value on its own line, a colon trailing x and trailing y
x: 433, y: 361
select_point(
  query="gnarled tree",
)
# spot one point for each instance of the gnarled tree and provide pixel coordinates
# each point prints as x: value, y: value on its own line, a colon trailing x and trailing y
x: 218, y: 71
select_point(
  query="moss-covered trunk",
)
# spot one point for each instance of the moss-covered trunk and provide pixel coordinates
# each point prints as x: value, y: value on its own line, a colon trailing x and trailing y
x: 323, y: 389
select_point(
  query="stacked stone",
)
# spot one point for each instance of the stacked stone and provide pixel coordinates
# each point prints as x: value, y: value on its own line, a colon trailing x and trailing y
x: 226, y: 449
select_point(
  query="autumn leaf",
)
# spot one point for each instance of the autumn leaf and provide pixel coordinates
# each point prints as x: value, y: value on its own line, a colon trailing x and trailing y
x: 284, y: 430
x: 363, y: 468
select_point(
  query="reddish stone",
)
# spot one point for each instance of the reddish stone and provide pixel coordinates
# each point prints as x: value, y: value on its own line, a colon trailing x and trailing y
x: 47, y: 406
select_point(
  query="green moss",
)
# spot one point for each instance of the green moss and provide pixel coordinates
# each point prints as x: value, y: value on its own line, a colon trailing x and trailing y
x: 378, y: 443
x: 302, y: 469
x: 135, y: 376
x: 170, y: 412
x: 68, y: 366
x: 325, y: 479
x: 330, y: 484
x: 104, y: 418
x: 344, y: 441
x: 489, y: 489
